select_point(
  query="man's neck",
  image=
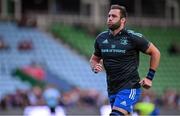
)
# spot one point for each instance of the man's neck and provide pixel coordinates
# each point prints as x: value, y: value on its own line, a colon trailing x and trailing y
x: 115, y: 32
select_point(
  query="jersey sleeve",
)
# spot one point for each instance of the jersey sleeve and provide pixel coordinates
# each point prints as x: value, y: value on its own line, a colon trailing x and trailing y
x: 97, y: 50
x: 142, y: 44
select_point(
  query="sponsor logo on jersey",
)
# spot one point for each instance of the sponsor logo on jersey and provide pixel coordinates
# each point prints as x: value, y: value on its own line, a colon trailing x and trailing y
x: 113, y: 51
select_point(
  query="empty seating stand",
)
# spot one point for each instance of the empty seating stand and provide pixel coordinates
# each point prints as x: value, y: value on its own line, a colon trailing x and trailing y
x: 61, y: 60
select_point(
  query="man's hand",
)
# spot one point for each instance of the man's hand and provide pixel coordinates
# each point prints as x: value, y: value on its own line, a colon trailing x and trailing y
x: 146, y: 83
x: 98, y: 68
x: 96, y: 64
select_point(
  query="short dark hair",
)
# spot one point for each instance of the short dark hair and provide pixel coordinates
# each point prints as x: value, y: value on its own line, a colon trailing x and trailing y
x: 122, y: 10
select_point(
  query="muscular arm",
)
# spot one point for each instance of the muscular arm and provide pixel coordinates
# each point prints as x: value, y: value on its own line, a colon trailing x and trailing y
x: 154, y: 63
x: 155, y: 56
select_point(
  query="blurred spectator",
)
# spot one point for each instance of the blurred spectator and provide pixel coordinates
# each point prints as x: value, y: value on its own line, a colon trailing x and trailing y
x: 90, y: 97
x: 71, y: 98
x: 25, y: 45
x: 20, y: 98
x: 146, y: 108
x: 178, y: 101
x: 35, y: 96
x: 84, y: 98
x: 169, y: 98
x: 174, y: 48
x: 148, y: 96
x: 6, y: 102
x: 51, y: 97
x: 146, y: 105
x: 3, y: 104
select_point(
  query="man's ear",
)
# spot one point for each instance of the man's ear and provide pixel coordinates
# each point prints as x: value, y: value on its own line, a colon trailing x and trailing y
x: 123, y: 20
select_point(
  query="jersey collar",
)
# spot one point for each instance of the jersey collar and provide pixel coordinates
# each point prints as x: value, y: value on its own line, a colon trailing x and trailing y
x: 121, y: 32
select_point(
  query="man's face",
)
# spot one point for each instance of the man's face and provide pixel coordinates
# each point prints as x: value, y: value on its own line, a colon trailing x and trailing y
x: 114, y: 20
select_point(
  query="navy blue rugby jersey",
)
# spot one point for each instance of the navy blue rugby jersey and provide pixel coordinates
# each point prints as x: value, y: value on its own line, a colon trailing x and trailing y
x: 120, y: 54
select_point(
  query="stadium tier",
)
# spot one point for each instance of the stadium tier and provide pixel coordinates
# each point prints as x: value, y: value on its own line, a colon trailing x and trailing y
x: 45, y: 50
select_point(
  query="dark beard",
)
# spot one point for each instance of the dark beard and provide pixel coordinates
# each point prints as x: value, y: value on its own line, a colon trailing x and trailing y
x: 114, y: 26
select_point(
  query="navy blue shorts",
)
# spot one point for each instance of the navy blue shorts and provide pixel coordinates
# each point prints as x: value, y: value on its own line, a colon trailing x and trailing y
x: 125, y: 99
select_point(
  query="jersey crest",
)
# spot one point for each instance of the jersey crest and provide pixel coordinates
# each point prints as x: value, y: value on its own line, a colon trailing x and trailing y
x: 123, y: 41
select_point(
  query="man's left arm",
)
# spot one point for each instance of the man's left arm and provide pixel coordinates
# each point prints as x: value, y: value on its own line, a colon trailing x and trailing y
x: 154, y: 63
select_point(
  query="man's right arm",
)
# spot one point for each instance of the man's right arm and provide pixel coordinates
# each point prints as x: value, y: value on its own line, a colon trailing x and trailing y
x: 95, y: 63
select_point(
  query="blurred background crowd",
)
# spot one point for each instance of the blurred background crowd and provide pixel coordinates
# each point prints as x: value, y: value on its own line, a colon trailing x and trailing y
x: 85, y: 99
x: 45, y: 46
